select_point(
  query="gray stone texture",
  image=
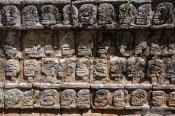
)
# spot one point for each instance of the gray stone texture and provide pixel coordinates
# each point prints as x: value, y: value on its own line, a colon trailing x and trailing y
x: 87, y: 58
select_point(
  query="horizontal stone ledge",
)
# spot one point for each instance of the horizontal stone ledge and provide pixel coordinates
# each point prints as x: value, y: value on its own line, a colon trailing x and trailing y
x: 164, y: 87
x: 145, y: 107
x: 135, y: 86
x: 83, y: 85
x: 46, y: 86
x: 64, y: 27
x: 60, y: 27
x: 107, y: 86
x: 75, y: 85
x: 15, y: 85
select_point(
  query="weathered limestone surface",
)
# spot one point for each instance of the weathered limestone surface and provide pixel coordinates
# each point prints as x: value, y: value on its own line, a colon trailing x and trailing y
x: 87, y: 58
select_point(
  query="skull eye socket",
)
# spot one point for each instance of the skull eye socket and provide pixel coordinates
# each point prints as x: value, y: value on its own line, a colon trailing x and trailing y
x: 164, y: 11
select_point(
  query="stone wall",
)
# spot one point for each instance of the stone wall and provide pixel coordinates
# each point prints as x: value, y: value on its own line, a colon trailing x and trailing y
x: 87, y: 58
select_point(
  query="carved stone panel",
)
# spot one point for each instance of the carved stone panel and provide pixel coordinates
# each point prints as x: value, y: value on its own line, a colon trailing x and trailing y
x: 35, y: 52
x: 100, y: 70
x: 75, y: 96
x: 135, y: 69
x: 61, y: 69
x: 83, y: 70
x: 105, y: 45
x: 11, y: 16
x: 87, y: 13
x: 124, y: 43
x: 126, y: 15
x: 49, y: 69
x: 67, y: 43
x: 106, y: 15
x: 48, y: 98
x: 120, y: 98
x: 139, y: 98
x: 68, y: 98
x: 30, y: 17
x: 155, y: 71
x: 70, y: 70
x: 171, y: 100
x: 12, y: 69
x: 102, y: 98
x: 144, y: 15
x: 108, y: 96
x: 163, y: 14
x: 10, y: 42
x: 12, y: 97
x: 117, y: 69
x: 70, y: 15
x: 31, y: 69
x: 50, y: 15
x: 83, y: 99
x: 85, y: 43
x: 159, y: 98
x: 169, y: 69
x: 141, y: 48
x: 18, y: 96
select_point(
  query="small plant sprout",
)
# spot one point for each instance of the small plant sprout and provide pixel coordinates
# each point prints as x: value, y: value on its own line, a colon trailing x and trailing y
x: 128, y: 4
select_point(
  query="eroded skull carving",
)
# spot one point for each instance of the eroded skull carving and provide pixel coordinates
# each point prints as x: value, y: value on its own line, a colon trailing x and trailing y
x: 144, y: 14
x: 31, y: 69
x: 117, y: 68
x: 12, y: 52
x: 170, y: 69
x: 50, y: 15
x: 70, y: 15
x: 140, y: 49
x: 101, y: 98
x: 83, y: 69
x: 106, y: 14
x: 138, y: 97
x: 68, y: 98
x: 159, y: 98
x: 48, y: 97
x: 70, y: 69
x: 104, y: 44
x: 49, y: 67
x: 155, y: 71
x: 85, y: 45
x: 67, y: 44
x: 171, y: 100
x: 61, y: 69
x: 13, y: 97
x: 163, y: 13
x: 27, y: 99
x: 136, y: 69
x: 87, y: 15
x: 12, y: 68
x: 30, y: 16
x: 10, y: 16
x: 155, y: 49
x: 126, y: 15
x: 83, y: 99
x: 100, y: 69
x: 119, y: 98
